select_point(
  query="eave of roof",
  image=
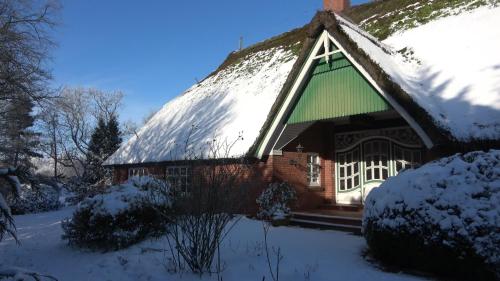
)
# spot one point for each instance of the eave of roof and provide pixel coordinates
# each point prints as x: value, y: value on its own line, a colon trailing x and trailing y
x: 325, y: 20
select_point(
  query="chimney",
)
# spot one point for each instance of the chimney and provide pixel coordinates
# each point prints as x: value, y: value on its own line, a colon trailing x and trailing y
x: 336, y: 6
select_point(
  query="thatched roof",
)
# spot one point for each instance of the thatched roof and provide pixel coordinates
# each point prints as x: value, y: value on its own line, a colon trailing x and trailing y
x: 247, y: 89
x: 231, y: 102
x: 325, y: 20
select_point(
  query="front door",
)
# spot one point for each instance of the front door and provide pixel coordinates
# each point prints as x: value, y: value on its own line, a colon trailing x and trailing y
x: 375, y: 165
x: 348, y: 181
x: 360, y: 169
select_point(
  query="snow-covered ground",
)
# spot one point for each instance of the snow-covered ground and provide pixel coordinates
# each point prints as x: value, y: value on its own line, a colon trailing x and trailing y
x: 308, y: 255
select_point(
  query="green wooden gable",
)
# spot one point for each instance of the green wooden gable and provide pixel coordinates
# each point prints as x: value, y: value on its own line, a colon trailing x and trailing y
x: 336, y: 89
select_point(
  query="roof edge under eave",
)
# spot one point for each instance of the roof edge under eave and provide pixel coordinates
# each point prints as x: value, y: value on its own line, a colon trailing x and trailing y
x: 325, y: 20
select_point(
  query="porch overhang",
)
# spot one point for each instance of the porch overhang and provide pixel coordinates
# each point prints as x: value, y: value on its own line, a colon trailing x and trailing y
x: 275, y: 128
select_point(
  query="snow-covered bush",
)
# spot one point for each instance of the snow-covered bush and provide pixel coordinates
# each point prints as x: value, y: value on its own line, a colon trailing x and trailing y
x: 41, y: 198
x: 275, y: 201
x: 443, y: 217
x: 79, y: 190
x: 9, y: 187
x: 119, y: 218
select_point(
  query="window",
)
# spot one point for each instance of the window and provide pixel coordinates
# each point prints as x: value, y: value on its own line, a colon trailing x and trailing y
x: 137, y: 172
x: 179, y: 176
x: 376, y: 157
x: 406, y: 158
x: 349, y: 177
x: 313, y: 169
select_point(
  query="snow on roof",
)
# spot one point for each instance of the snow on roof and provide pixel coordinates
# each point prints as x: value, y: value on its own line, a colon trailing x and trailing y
x: 450, y: 67
x: 231, y: 103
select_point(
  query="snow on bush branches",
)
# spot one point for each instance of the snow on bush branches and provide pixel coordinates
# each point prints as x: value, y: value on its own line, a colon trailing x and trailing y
x: 274, y: 202
x: 119, y: 218
x: 449, y: 207
x: 42, y: 198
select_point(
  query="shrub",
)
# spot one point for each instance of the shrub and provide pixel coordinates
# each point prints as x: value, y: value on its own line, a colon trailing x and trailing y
x: 443, y: 217
x: 121, y: 217
x: 275, y: 201
x: 79, y: 190
x: 42, y: 198
x: 9, y: 185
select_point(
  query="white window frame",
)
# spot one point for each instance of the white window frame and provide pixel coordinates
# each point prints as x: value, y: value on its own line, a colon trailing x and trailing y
x: 343, y: 168
x: 391, y: 163
x: 406, y: 162
x: 176, y: 178
x: 138, y: 172
x: 376, y: 166
x: 312, y: 168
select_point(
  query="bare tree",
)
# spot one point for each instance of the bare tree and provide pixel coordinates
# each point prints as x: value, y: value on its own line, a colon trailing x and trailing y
x: 51, y: 142
x: 275, y: 273
x: 76, y: 125
x: 204, y: 207
x: 68, y: 124
x: 131, y: 128
x: 105, y: 105
x: 24, y: 48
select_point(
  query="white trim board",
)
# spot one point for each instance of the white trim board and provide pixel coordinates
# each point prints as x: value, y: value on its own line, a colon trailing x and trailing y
x: 278, y: 121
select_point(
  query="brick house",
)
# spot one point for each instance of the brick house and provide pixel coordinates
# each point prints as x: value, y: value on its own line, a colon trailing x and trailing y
x: 328, y: 114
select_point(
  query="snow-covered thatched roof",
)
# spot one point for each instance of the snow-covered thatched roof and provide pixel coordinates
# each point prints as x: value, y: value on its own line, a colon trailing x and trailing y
x: 230, y: 105
x: 447, y: 70
x: 450, y: 67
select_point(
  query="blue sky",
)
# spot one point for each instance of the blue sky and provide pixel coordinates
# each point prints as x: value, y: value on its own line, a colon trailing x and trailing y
x: 154, y: 50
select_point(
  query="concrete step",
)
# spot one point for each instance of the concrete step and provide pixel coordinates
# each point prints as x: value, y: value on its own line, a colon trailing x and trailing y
x: 344, y: 220
x: 321, y: 221
x: 343, y: 207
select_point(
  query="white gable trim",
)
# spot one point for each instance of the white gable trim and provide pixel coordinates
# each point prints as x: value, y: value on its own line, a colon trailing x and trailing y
x: 284, y: 107
x: 323, y: 40
x: 413, y: 124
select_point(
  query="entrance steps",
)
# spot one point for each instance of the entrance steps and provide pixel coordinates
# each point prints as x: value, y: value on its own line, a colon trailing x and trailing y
x: 349, y: 221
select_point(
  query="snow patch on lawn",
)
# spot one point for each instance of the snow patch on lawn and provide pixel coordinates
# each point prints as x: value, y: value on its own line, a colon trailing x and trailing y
x: 321, y: 255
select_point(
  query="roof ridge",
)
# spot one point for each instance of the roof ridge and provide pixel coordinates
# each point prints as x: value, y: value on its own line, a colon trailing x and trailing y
x: 284, y: 39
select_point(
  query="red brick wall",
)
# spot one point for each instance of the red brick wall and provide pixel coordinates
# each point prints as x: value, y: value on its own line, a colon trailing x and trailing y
x: 255, y: 178
x: 289, y: 167
x: 120, y: 174
x: 317, y: 139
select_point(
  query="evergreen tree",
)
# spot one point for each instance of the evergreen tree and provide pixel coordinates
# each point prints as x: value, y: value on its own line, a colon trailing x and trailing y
x: 105, y: 140
x: 18, y: 141
x: 114, y: 136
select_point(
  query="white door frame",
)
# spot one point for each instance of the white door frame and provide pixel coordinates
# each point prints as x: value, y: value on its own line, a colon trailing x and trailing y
x: 340, y: 196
